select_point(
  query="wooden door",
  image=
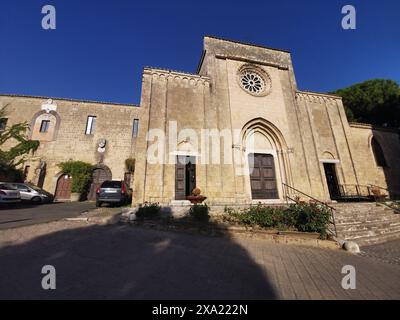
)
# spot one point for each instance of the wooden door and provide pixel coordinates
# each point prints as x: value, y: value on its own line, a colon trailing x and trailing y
x: 180, y: 179
x: 63, y: 189
x: 263, y: 177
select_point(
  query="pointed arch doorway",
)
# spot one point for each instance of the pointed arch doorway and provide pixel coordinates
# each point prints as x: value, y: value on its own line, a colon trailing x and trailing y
x: 266, y: 155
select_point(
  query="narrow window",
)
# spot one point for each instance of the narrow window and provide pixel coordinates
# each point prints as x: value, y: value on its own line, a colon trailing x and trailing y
x: 3, y: 124
x: 378, y: 153
x: 90, y: 125
x: 44, y: 126
x: 135, y: 130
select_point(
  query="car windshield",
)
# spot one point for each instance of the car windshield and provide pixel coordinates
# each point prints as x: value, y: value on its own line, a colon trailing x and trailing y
x: 111, y: 184
x: 33, y: 187
x: 7, y: 187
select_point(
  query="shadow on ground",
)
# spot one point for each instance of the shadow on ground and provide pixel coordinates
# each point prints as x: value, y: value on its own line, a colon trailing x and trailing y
x: 121, y: 262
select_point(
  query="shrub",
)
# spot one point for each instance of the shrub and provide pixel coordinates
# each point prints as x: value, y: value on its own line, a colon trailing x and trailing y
x: 200, y: 212
x: 130, y: 164
x: 81, y: 173
x: 311, y: 218
x: 148, y: 211
x: 304, y: 218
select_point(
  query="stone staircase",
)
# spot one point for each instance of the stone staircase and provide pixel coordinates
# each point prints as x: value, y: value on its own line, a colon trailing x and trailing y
x: 366, y: 223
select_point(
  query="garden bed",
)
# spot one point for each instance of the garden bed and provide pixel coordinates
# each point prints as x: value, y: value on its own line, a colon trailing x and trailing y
x: 293, y: 224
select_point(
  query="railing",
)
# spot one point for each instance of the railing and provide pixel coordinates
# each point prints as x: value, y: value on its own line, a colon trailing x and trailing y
x: 295, y: 195
x: 377, y: 193
x: 385, y: 198
x: 355, y: 192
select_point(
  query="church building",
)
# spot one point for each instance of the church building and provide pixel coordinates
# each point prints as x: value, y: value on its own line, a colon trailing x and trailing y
x: 239, y: 129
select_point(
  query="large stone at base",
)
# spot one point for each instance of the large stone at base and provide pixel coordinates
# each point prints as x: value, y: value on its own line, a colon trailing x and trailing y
x: 351, y: 247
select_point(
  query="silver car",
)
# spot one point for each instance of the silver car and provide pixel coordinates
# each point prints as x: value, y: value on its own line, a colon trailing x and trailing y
x: 33, y: 194
x: 9, y: 193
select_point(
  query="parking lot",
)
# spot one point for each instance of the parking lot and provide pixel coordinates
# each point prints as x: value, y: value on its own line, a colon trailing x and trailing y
x: 27, y: 214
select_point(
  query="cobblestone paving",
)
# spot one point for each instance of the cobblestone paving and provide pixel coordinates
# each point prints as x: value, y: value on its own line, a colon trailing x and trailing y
x: 387, y: 252
x: 123, y: 262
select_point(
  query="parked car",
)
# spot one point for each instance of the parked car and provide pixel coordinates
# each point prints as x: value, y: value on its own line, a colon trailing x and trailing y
x: 8, y: 193
x: 113, y: 192
x: 33, y: 194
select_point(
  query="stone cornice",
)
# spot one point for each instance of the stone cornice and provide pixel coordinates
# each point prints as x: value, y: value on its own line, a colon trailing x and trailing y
x: 247, y: 44
x: 316, y: 97
x: 179, y: 75
x: 368, y: 126
x: 254, y: 61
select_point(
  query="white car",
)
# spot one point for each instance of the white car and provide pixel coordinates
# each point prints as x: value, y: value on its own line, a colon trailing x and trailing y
x: 9, y: 194
x: 32, y: 193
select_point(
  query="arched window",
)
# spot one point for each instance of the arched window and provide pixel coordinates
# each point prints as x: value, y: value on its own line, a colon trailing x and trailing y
x: 45, y: 126
x: 378, y: 153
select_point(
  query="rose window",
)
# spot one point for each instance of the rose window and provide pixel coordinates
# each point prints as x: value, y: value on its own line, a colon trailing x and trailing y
x: 252, y: 82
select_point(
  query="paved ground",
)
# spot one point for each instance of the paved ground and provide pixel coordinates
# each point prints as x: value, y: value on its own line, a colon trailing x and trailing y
x: 388, y: 252
x: 123, y: 262
x: 26, y: 214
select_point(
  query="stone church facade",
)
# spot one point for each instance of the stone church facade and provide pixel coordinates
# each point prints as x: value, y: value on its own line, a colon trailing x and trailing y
x: 239, y: 129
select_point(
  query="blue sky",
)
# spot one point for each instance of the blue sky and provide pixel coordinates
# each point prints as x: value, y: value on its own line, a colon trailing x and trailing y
x: 99, y: 48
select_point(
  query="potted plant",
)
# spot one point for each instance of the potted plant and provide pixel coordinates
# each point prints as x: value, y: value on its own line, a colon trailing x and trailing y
x: 81, y: 173
x: 196, y: 197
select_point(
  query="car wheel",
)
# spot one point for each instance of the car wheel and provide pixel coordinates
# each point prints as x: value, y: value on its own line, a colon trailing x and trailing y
x: 98, y: 204
x: 36, y: 200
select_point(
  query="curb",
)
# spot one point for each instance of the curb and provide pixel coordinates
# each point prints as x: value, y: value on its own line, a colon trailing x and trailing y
x: 290, y: 238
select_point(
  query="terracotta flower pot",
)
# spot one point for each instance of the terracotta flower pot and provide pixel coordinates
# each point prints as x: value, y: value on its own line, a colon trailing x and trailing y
x: 196, y: 199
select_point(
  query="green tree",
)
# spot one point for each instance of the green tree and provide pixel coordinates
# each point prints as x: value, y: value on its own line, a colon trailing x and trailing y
x: 374, y: 101
x: 12, y: 157
x: 81, y: 173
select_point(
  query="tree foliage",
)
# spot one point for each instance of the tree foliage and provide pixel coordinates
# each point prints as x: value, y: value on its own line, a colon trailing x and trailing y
x: 374, y: 101
x: 81, y: 173
x: 21, y: 146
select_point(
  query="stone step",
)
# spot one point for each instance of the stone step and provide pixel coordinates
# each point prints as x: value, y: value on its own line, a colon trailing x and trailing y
x: 368, y: 233
x: 369, y: 240
x: 364, y: 213
x: 367, y: 226
x: 370, y: 219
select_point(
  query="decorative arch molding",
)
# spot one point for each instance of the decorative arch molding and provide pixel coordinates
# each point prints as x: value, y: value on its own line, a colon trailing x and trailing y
x: 266, y: 128
x: 56, y: 126
x: 280, y: 151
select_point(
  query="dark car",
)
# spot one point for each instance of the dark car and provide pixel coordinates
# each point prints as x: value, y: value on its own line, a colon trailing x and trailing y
x: 113, y: 192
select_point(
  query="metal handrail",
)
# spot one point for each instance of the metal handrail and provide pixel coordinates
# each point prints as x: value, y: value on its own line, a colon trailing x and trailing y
x: 376, y: 198
x: 331, y: 209
x: 357, y: 187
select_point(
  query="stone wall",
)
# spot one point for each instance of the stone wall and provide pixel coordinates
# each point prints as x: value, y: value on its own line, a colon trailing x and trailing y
x: 369, y: 172
x: 113, y: 123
